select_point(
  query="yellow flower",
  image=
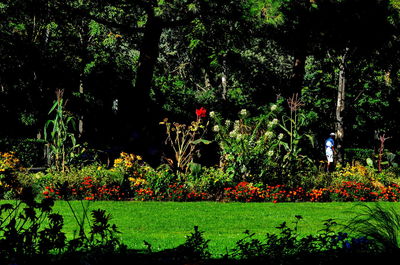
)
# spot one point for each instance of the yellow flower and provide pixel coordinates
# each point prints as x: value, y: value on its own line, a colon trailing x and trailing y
x: 137, y: 181
x: 117, y: 162
x: 8, y: 161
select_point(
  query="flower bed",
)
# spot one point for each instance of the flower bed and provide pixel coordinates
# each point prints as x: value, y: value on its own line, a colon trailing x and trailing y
x: 130, y: 178
x: 242, y: 192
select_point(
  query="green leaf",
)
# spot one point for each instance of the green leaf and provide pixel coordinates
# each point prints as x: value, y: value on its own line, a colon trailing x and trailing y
x: 311, y: 138
x: 94, y: 28
x: 201, y: 141
x: 370, y: 163
x: 53, y: 107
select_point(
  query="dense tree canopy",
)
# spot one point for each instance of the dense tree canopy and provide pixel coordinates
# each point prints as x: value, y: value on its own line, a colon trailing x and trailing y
x: 125, y: 65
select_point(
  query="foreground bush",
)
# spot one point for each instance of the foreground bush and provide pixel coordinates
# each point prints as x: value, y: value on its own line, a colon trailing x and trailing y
x: 31, y: 232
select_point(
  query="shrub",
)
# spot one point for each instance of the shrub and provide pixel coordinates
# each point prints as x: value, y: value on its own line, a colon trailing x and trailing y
x: 8, y: 163
x: 356, y: 172
x: 358, y: 155
x: 89, y: 182
x: 287, y: 247
x: 266, y: 148
x: 209, y: 180
x: 129, y: 164
x: 249, y: 145
x: 160, y: 179
x: 30, y: 152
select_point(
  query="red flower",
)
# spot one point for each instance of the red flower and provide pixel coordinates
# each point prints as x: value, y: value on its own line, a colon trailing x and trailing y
x: 201, y: 113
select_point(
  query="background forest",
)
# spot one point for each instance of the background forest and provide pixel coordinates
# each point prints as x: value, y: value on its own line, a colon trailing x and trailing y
x: 100, y: 77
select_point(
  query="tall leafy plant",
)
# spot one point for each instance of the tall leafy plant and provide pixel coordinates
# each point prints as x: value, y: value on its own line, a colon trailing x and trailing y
x: 62, y: 145
x: 185, y: 139
x: 293, y: 161
x: 249, y: 145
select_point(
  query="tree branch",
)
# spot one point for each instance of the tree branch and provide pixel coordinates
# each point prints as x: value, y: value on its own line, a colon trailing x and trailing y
x: 127, y: 28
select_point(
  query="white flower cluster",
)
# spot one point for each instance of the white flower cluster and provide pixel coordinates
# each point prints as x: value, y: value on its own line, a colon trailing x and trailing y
x: 268, y: 134
x: 236, y: 125
x: 232, y: 134
x: 273, y: 123
x: 244, y: 113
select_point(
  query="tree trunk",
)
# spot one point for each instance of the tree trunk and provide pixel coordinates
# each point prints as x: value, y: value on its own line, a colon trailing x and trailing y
x: 297, y: 78
x: 340, y: 107
x: 83, y: 50
x: 223, y: 79
x: 81, y: 116
x: 135, y: 103
x: 149, y: 52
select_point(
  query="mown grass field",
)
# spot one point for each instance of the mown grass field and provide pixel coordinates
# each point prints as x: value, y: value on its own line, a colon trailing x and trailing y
x: 165, y: 224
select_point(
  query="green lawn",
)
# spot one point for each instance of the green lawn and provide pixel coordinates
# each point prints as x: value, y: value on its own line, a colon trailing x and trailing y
x: 165, y: 224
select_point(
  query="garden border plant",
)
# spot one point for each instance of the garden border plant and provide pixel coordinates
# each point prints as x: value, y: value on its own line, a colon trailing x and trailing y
x: 62, y: 143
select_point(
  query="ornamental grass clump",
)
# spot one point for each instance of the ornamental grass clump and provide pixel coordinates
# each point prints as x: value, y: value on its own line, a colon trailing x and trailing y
x: 380, y: 225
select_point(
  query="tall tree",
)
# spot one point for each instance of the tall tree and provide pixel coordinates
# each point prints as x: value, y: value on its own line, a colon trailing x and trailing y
x: 350, y: 29
x: 296, y: 34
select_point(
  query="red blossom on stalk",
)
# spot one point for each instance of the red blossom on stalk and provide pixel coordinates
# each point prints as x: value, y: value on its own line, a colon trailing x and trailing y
x: 201, y: 113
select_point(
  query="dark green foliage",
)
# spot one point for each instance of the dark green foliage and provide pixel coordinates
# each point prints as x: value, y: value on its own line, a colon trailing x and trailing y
x: 380, y: 225
x: 195, y: 246
x: 30, y: 152
x: 287, y: 247
x: 30, y: 231
x: 358, y: 154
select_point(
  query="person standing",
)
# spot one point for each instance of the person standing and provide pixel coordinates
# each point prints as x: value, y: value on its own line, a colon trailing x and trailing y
x: 329, y: 150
